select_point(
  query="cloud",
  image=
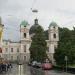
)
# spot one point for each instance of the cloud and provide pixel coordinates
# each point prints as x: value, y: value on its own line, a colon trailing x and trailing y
x: 14, y: 11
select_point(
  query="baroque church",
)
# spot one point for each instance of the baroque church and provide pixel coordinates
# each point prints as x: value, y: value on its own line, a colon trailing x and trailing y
x: 19, y: 51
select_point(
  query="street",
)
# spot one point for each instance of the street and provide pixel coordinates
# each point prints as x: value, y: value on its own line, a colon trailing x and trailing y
x: 26, y: 70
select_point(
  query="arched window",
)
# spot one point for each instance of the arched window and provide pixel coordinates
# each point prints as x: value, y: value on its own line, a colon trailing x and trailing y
x: 11, y: 49
x: 24, y: 35
x: 24, y: 48
x: 24, y: 57
x: 24, y: 26
x: 54, y: 35
x: 17, y: 49
x: 54, y: 27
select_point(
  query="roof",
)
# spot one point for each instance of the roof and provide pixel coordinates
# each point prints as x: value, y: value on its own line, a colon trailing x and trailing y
x: 53, y: 24
x: 24, y: 23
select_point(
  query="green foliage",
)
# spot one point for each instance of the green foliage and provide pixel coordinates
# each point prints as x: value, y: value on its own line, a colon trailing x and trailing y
x: 38, y: 46
x: 46, y: 34
x: 66, y: 46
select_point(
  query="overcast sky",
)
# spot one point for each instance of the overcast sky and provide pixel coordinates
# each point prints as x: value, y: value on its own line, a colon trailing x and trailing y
x: 14, y: 11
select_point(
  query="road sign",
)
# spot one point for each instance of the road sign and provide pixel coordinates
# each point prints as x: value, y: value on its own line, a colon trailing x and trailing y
x: 66, y: 58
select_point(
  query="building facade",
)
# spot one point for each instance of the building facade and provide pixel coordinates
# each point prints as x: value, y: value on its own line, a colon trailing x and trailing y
x: 15, y: 51
x: 1, y: 35
x: 52, y: 42
x: 10, y: 50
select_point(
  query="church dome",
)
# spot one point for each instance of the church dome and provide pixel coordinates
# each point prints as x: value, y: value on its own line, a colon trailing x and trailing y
x: 34, y: 27
x: 24, y: 23
x: 53, y: 24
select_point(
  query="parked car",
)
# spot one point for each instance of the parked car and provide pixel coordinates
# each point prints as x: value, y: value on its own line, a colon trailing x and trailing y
x: 46, y: 66
x: 38, y: 65
x: 34, y: 63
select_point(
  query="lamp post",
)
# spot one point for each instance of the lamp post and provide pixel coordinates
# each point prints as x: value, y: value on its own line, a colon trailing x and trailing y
x: 35, y: 11
x: 66, y: 62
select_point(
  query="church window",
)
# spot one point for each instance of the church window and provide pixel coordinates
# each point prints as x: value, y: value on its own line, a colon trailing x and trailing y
x: 24, y: 26
x: 24, y: 57
x: 54, y: 27
x: 25, y: 48
x: 11, y: 49
x: 17, y: 49
x: 54, y: 35
x: 24, y: 35
x: 11, y: 57
x: 6, y: 49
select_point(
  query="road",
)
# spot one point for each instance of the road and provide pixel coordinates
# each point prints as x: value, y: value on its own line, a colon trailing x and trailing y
x: 26, y: 70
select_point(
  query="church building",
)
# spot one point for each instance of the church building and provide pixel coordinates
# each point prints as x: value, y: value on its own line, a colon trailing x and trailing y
x: 19, y: 51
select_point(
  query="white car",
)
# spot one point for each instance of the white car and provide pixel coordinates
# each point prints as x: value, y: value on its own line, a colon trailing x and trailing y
x: 34, y: 63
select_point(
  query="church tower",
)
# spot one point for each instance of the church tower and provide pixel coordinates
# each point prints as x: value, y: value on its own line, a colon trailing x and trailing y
x: 25, y: 41
x: 53, y: 33
x: 53, y: 40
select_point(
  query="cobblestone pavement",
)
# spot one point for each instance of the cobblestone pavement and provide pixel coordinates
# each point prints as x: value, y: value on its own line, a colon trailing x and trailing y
x: 26, y: 70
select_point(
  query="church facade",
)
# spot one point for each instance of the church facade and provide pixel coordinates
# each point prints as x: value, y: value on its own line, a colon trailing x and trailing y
x: 19, y: 51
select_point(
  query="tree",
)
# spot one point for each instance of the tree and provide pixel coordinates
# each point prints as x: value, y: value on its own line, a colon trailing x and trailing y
x: 38, y: 46
x: 66, y: 46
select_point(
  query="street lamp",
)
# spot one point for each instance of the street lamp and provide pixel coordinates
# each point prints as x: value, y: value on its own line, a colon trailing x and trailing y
x: 35, y: 11
x: 66, y: 62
